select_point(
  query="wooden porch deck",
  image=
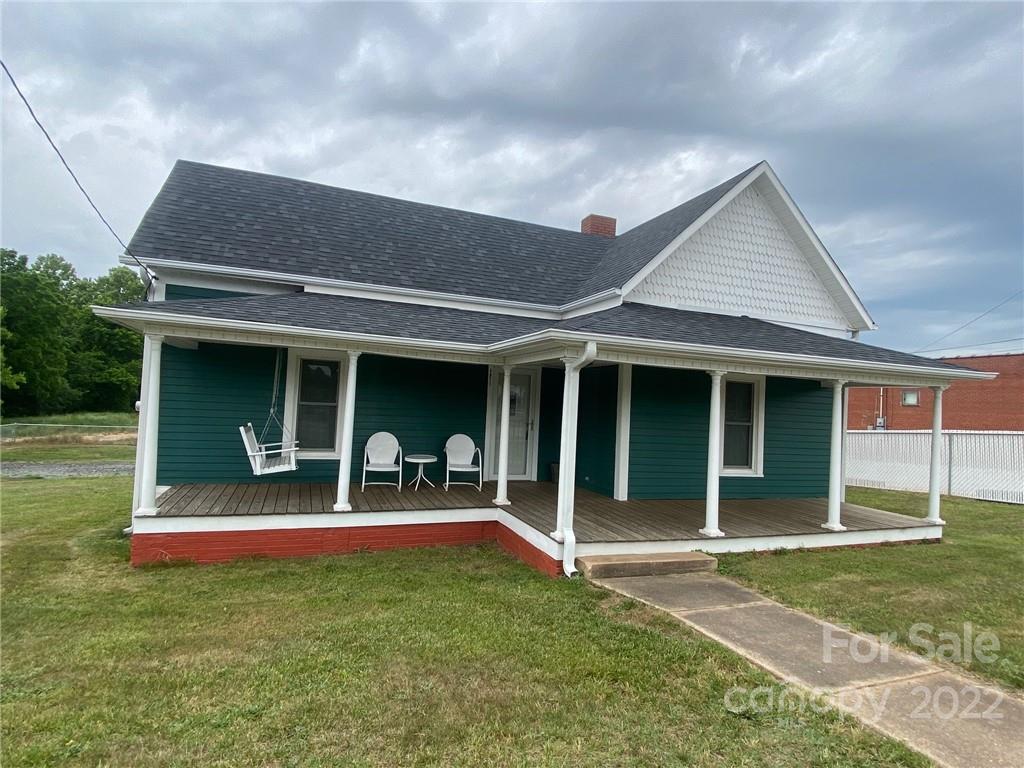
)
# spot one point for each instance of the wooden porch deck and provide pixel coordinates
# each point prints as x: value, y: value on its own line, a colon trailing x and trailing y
x: 597, y: 518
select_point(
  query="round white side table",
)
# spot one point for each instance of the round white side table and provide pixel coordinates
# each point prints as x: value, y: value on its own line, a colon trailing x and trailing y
x: 420, y: 460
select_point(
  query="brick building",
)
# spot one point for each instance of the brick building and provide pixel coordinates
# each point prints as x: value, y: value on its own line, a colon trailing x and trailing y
x: 997, y: 404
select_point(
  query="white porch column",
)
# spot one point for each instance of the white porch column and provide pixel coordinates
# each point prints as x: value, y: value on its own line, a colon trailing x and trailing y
x: 140, y: 433
x: 621, y: 489
x: 934, y: 467
x: 846, y: 438
x: 347, y: 430
x: 714, y: 457
x: 506, y: 397
x: 567, y: 461
x: 151, y: 414
x: 835, y: 460
x: 567, y: 447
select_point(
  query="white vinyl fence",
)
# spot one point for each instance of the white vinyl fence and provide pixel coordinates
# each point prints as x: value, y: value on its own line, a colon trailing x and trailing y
x: 978, y: 465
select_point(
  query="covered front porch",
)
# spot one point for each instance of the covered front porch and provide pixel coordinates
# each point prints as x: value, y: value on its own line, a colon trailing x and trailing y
x: 647, y: 452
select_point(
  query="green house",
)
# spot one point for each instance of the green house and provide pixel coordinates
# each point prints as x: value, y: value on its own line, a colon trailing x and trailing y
x: 329, y: 370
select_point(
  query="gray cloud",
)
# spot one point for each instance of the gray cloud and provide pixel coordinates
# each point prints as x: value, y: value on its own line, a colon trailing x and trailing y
x: 896, y: 127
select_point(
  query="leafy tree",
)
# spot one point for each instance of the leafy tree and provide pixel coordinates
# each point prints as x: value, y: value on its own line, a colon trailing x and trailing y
x: 56, y: 355
x: 106, y: 365
x: 9, y: 378
x: 35, y: 317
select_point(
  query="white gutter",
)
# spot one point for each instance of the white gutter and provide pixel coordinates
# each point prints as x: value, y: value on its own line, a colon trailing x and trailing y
x: 567, y: 460
x: 738, y: 353
x: 123, y: 315
x: 507, y: 346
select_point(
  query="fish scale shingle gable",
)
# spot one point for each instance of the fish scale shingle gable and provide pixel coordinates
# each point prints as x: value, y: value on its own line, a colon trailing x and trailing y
x: 207, y: 214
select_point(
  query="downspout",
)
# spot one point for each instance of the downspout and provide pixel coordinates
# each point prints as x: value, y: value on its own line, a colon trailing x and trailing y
x: 568, y: 471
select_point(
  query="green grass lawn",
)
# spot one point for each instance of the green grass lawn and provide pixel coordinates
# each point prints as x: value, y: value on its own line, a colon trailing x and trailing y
x: 976, y: 575
x: 92, y: 418
x: 67, y: 452
x: 440, y: 656
x: 43, y: 441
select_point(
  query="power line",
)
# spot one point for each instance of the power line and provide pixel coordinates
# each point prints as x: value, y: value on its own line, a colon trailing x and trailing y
x: 979, y: 344
x: 988, y: 311
x: 72, y: 173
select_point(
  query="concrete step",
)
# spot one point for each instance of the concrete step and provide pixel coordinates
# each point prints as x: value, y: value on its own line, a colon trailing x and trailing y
x: 658, y: 564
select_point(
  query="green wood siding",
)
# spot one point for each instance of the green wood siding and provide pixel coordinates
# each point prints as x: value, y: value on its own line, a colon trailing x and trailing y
x: 595, y: 440
x: 422, y: 403
x: 549, y: 421
x: 207, y: 393
x: 669, y: 434
x: 177, y: 292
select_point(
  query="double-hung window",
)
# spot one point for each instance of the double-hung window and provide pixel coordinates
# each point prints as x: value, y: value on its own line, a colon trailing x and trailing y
x: 742, y: 420
x: 316, y: 405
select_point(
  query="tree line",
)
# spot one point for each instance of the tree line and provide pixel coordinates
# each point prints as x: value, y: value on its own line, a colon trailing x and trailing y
x: 56, y: 356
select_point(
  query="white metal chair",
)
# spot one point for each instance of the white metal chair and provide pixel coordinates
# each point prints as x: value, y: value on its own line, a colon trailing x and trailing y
x: 459, y: 451
x: 379, y: 455
x: 268, y: 458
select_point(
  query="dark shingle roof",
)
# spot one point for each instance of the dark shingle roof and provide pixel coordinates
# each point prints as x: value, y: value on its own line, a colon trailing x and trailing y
x: 211, y: 215
x: 633, y: 250
x: 644, y: 321
x: 206, y: 214
x: 326, y: 312
x: 347, y: 314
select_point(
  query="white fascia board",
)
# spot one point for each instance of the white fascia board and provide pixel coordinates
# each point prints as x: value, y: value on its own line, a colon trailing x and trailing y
x: 840, y: 365
x: 687, y: 233
x: 861, y: 319
x: 429, y: 299
x: 597, y: 303
x: 611, y: 297
x: 367, y: 290
x: 866, y: 321
x: 192, y: 279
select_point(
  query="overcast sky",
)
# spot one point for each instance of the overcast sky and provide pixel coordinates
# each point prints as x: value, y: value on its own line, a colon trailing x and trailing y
x: 897, y: 128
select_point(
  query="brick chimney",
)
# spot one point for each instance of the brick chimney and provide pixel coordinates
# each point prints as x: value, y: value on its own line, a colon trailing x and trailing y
x: 598, y: 225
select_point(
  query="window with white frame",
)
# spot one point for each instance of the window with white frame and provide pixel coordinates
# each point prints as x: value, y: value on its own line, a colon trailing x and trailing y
x: 742, y: 426
x: 910, y: 397
x: 316, y: 407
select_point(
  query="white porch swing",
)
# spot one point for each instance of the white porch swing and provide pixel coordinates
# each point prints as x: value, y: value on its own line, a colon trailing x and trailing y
x: 270, y: 458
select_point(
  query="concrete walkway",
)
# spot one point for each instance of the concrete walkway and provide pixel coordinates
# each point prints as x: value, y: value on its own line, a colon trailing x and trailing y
x: 948, y: 717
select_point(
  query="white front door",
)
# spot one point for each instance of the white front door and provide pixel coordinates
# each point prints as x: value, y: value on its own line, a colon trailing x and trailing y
x: 522, y: 427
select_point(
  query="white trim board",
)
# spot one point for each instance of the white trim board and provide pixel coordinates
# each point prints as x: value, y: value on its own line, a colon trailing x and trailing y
x: 311, y: 284
x: 291, y: 396
x: 228, y: 523
x: 492, y: 410
x: 624, y: 405
x: 756, y: 468
x: 794, y: 221
x: 211, y: 523
x: 530, y: 535
x: 764, y: 543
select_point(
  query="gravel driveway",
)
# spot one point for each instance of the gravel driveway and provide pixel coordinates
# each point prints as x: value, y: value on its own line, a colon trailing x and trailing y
x: 51, y: 469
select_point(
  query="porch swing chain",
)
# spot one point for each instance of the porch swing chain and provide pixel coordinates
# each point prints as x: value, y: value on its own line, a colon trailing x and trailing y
x: 273, y: 418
